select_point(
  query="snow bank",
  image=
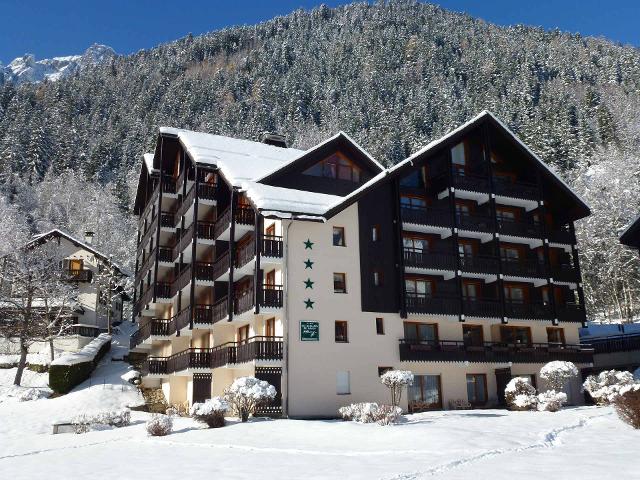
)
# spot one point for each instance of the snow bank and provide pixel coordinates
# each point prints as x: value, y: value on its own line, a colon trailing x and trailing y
x: 87, y: 354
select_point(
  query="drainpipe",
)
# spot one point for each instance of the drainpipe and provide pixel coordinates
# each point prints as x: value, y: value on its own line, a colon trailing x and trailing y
x: 232, y: 253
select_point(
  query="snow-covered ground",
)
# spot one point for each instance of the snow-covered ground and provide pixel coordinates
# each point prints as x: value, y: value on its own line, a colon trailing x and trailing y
x: 577, y: 443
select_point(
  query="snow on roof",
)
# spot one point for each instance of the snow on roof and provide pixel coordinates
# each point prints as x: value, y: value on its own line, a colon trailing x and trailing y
x: 277, y: 200
x: 238, y: 160
x: 148, y: 160
x: 81, y: 244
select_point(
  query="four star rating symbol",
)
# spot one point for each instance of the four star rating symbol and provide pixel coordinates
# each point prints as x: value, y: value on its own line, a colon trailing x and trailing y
x: 308, y: 303
x: 308, y: 283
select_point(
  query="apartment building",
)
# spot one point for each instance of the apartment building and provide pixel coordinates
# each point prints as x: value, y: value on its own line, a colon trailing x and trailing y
x: 319, y: 270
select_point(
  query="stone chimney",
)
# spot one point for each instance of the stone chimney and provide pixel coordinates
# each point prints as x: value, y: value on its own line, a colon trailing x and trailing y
x: 88, y: 237
x: 274, y: 139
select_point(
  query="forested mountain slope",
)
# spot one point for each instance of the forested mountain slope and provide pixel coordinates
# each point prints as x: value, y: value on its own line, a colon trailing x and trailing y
x: 393, y: 75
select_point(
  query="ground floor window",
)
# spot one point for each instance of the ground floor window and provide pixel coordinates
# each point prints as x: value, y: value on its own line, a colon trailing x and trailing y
x: 343, y: 384
x: 477, y: 389
x: 425, y: 393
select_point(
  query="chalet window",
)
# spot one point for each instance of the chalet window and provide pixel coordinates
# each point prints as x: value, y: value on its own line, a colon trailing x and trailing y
x: 336, y: 166
x: 470, y: 290
x: 510, y: 253
x: 415, y: 242
x: 379, y: 326
x: 270, y: 278
x: 515, y: 294
x: 342, y: 334
x: 415, y: 179
x: 412, y: 201
x: 375, y: 233
x: 472, y: 335
x: 75, y: 265
x: 464, y: 208
x: 506, y: 214
x: 383, y: 370
x: 377, y: 278
x: 424, y: 393
x: 555, y: 335
x: 515, y: 335
x: 458, y: 157
x: 421, y: 332
x: 338, y: 236
x: 343, y: 385
x: 467, y: 248
x: 419, y: 287
x: 477, y: 388
x: 339, y: 283
x: 270, y: 327
x: 243, y: 334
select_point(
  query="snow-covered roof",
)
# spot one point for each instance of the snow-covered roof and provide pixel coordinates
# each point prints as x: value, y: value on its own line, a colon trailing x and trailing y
x: 148, y: 160
x: 57, y: 232
x: 238, y: 160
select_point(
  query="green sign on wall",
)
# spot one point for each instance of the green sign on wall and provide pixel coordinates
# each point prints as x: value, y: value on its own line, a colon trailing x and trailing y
x: 309, y: 331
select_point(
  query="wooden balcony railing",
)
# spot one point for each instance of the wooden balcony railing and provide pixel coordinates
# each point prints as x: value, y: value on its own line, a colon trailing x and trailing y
x: 206, y: 230
x: 516, y: 189
x: 183, y: 279
x: 561, y: 235
x: 203, y: 314
x: 168, y: 184
x: 220, y: 309
x: 205, y: 271
x: 419, y: 258
x: 475, y: 223
x: 150, y: 204
x: 221, y: 265
x: 438, y: 217
x: 492, y: 352
x: 167, y: 220
x: 527, y: 310
x: 519, y: 228
x: 183, y: 318
x: 481, y: 308
x: 422, y: 303
x: 471, y: 181
x: 271, y: 296
x: 245, y: 215
x: 259, y: 348
x: 531, y: 268
x: 222, y: 222
x: 151, y: 229
x: 81, y: 275
x: 165, y: 254
x: 272, y: 246
x: 245, y: 254
x: 617, y: 343
x: 207, y: 191
x: 244, y: 302
x: 479, y: 264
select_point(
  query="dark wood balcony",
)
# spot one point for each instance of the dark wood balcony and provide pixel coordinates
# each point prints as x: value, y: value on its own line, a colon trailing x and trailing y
x: 473, y: 182
x: 221, y: 265
x: 80, y: 275
x: 479, y: 264
x: 571, y: 312
x: 245, y: 254
x: 220, y: 309
x: 562, y: 235
x: 422, y: 303
x: 186, y: 202
x: 243, y: 303
x: 167, y: 220
x: 516, y: 189
x: 485, y: 308
x: 272, y: 246
x: 165, y: 254
x: 528, y: 310
x: 183, y: 318
x: 168, y: 184
x: 475, y: 223
x: 207, y: 191
x: 259, y: 348
x: 492, y: 352
x: 565, y: 273
x: 148, y: 233
x: 436, y: 217
x: 206, y: 230
x: 271, y: 296
x: 528, y: 268
x: 149, y: 206
x: 222, y: 222
x: 516, y: 228
x: 203, y: 314
x: 183, y: 278
x: 418, y: 258
x: 244, y: 215
x: 205, y: 271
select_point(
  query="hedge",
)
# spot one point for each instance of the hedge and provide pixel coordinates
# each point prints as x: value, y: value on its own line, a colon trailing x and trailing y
x: 73, y: 369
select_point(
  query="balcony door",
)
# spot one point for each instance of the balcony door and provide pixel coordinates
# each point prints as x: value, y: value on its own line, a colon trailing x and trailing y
x: 243, y: 334
x: 471, y: 289
x: 270, y: 327
x: 472, y: 335
x: 419, y: 287
x: 421, y: 332
x: 477, y: 389
x: 515, y: 335
x: 517, y: 294
x: 413, y: 201
x: 425, y: 393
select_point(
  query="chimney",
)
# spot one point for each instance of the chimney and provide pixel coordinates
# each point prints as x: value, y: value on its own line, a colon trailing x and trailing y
x: 88, y: 237
x: 274, y: 139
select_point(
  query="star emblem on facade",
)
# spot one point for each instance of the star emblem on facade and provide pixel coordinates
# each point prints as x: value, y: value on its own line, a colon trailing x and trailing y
x: 308, y: 303
x: 308, y: 244
x: 308, y: 283
x: 308, y: 263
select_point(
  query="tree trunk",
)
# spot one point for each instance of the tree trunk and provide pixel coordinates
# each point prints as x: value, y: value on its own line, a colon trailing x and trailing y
x: 22, y: 363
x: 51, y: 349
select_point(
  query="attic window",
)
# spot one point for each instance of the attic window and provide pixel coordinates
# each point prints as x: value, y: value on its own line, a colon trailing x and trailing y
x: 335, y: 166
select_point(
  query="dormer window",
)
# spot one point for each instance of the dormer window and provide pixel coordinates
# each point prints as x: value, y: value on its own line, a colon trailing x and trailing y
x: 335, y: 166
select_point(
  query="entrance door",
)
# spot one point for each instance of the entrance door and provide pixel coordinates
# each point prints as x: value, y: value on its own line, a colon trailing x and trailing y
x: 201, y: 387
x: 503, y: 376
x: 272, y: 375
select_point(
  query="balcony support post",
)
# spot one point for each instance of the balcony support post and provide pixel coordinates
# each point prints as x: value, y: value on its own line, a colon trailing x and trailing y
x: 159, y: 223
x: 454, y: 237
x: 194, y: 245
x: 542, y: 213
x: 576, y: 264
x: 179, y: 309
x: 494, y: 216
x: 397, y: 224
x: 232, y: 251
x: 257, y: 281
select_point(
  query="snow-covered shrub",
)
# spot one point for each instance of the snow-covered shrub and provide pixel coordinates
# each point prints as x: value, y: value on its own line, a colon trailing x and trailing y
x: 520, y: 394
x: 247, y: 394
x: 71, y: 369
x: 113, y: 418
x: 159, y: 425
x: 29, y: 394
x: 556, y: 374
x: 210, y: 412
x: 551, y: 401
x: 133, y: 377
x: 627, y: 405
x: 605, y: 386
x: 396, y: 381
x: 172, y: 412
x: 370, y: 413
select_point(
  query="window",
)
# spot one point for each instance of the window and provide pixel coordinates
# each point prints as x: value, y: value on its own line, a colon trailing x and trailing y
x: 377, y: 278
x: 243, y: 334
x: 470, y: 290
x: 339, y: 283
x: 421, y: 332
x: 380, y: 326
x: 270, y: 278
x: 338, y: 236
x: 270, y: 327
x: 416, y: 243
x: 477, y: 389
x: 375, y: 233
x: 515, y: 293
x: 463, y: 208
x: 419, y: 287
x: 270, y: 230
x: 410, y: 201
x: 472, y: 336
x: 343, y: 386
x: 75, y: 265
x: 424, y: 394
x: 335, y: 166
x: 383, y: 370
x: 515, y: 335
x: 507, y: 214
x: 467, y: 248
x: 510, y: 253
x: 458, y: 155
x: 342, y: 335
x: 555, y: 335
x: 415, y: 179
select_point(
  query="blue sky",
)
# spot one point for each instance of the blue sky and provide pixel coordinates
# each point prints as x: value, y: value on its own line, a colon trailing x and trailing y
x: 62, y: 27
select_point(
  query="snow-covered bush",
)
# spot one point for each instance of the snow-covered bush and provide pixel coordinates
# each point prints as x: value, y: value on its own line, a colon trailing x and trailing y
x: 370, y: 413
x: 133, y: 377
x: 396, y: 381
x: 551, y: 401
x: 605, y: 386
x: 627, y: 405
x: 520, y: 394
x: 210, y: 412
x: 113, y: 418
x: 159, y: 425
x: 29, y: 394
x: 556, y: 374
x: 247, y: 394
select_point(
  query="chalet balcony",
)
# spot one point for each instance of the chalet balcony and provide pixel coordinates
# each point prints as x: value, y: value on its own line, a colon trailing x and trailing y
x: 151, y: 203
x: 485, y: 308
x: 516, y: 189
x: 475, y: 223
x: 561, y: 235
x: 169, y: 185
x: 527, y: 310
x: 80, y: 275
x: 436, y: 217
x: 479, y: 264
x: 418, y: 303
x: 167, y: 220
x: 473, y: 182
x: 492, y: 352
x: 165, y: 254
x: 528, y: 268
x: 259, y: 348
x: 245, y: 254
x: 269, y: 297
x: 272, y: 246
x: 160, y: 327
x: 571, y: 312
x: 424, y: 259
x: 244, y: 219
x: 206, y: 230
x: 518, y: 228
x: 221, y: 266
x: 564, y: 273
